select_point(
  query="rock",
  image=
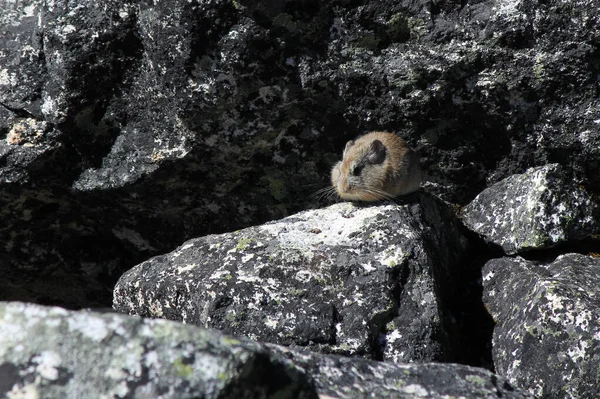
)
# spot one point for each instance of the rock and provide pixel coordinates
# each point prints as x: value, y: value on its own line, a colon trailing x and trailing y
x: 342, y: 377
x: 536, y: 210
x: 157, y: 122
x: 53, y: 353
x: 49, y: 352
x: 356, y: 280
x: 546, y: 338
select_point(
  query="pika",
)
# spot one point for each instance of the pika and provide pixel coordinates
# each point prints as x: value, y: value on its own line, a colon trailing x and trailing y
x: 376, y: 166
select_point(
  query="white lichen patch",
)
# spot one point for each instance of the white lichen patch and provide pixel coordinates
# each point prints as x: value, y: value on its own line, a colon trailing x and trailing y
x: 7, y: 78
x: 417, y: 390
x: 47, y: 364
x: 337, y: 224
x: 91, y: 327
x: 186, y: 268
x: 28, y: 391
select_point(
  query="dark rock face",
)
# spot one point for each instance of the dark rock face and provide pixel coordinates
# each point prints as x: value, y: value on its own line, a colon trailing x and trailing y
x: 141, y: 358
x: 369, y: 281
x: 129, y: 127
x: 536, y: 210
x: 547, y: 335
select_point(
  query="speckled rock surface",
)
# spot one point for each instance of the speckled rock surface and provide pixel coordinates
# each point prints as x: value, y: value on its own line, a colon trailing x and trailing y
x: 538, y: 209
x: 342, y: 377
x: 353, y: 280
x: 49, y: 353
x: 547, y: 337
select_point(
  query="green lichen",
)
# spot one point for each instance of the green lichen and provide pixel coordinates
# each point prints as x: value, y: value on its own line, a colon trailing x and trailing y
x: 417, y: 27
x: 368, y: 41
x: 397, y: 28
x: 345, y: 346
x: 285, y: 20
x: 230, y: 317
x: 298, y: 292
x: 277, y: 188
x: 285, y: 393
x: 476, y: 379
x: 222, y: 376
x: 182, y: 369
x: 243, y: 243
x: 230, y: 341
x: 275, y: 181
x: 538, y: 70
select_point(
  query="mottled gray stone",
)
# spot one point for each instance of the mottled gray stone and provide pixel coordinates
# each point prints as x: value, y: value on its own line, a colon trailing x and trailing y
x: 54, y: 353
x: 342, y: 377
x: 547, y: 334
x: 357, y: 280
x: 49, y: 353
x: 538, y: 209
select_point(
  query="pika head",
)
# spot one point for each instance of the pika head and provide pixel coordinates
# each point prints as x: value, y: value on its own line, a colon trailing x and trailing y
x: 376, y: 166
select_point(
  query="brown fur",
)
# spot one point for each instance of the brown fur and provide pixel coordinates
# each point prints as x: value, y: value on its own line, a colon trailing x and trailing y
x: 371, y: 172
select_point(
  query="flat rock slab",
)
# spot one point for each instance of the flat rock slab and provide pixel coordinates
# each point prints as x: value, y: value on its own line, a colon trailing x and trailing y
x: 547, y: 337
x: 538, y: 209
x: 353, y: 280
x: 49, y: 353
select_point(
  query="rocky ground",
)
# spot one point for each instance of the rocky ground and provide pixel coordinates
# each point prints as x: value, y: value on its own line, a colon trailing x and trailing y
x: 140, y: 141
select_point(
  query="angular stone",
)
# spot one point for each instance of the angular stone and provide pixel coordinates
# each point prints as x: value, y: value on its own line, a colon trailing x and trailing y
x: 342, y: 377
x: 49, y: 353
x: 53, y: 353
x: 356, y: 280
x: 538, y: 209
x: 547, y: 334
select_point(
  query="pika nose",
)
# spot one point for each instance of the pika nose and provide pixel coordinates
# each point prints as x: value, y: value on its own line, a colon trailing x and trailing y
x: 349, y: 184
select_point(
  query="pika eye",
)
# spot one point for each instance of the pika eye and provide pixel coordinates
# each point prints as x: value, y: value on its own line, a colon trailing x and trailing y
x: 356, y: 170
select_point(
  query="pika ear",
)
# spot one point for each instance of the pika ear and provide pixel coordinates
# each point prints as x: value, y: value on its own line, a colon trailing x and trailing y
x: 377, y: 152
x: 348, y: 145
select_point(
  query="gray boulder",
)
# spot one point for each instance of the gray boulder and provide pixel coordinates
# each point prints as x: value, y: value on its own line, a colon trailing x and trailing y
x: 50, y: 353
x: 538, y: 209
x: 547, y: 334
x: 357, y: 280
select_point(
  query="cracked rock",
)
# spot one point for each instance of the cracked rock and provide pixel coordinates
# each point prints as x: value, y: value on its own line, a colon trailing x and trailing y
x: 547, y: 334
x: 355, y: 280
x: 538, y: 209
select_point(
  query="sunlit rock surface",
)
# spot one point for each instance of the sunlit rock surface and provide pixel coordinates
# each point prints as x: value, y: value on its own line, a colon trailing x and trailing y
x: 357, y: 280
x: 538, y: 209
x: 547, y: 334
